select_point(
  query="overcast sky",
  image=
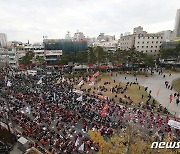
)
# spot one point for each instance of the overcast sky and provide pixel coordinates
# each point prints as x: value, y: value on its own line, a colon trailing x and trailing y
x: 32, y: 19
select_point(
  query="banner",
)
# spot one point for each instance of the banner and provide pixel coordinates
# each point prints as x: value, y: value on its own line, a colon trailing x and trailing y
x: 40, y: 81
x: 91, y: 84
x: 77, y: 91
x: 9, y: 84
x: 96, y: 74
x: 80, y: 83
x: 91, y: 79
x: 174, y: 124
x: 79, y: 98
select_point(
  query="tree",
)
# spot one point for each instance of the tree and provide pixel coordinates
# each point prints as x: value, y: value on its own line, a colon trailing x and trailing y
x: 130, y: 141
x: 65, y: 58
x: 91, y: 55
x: 27, y: 59
x: 100, y: 55
x: 82, y: 57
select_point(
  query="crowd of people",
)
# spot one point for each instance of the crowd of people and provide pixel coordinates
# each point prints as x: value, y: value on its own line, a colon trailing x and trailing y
x: 52, y: 116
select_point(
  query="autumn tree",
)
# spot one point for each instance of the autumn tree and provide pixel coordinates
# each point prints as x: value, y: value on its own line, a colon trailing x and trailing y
x: 129, y: 141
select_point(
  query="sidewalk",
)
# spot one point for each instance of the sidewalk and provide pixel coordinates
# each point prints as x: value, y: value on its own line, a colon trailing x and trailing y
x: 16, y: 150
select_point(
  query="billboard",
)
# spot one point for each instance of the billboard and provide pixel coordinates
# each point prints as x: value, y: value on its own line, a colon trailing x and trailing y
x: 53, y: 52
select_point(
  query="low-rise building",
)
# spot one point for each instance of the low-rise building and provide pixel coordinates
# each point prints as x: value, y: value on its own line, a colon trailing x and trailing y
x: 51, y: 56
x: 13, y: 59
x: 107, y: 46
x: 9, y: 57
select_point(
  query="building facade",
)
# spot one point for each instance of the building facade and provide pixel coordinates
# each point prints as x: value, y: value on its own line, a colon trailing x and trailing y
x: 142, y: 41
x: 51, y: 56
x: 149, y: 43
x: 127, y: 42
x: 106, y: 38
x: 78, y: 36
x: 8, y: 57
x: 177, y: 24
x: 107, y: 46
x: 66, y: 46
x: 13, y: 59
x: 3, y: 40
x: 167, y: 35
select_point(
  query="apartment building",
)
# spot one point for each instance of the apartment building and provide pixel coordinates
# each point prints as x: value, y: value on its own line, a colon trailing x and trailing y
x: 127, y: 42
x: 142, y: 41
x: 149, y: 43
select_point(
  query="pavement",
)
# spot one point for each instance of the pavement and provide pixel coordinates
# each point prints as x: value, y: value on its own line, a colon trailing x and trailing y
x: 16, y: 150
x: 154, y: 83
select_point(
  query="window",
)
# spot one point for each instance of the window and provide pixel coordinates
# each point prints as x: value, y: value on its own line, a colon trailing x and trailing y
x: 146, y: 46
x: 138, y: 42
x: 152, y: 42
x: 147, y: 42
x: 152, y: 37
x: 146, y: 51
x: 151, y: 46
x: 154, y: 50
x: 142, y: 46
x: 151, y: 50
x: 142, y: 42
x: 137, y: 46
x: 157, y: 37
x: 156, y: 46
x: 156, y: 41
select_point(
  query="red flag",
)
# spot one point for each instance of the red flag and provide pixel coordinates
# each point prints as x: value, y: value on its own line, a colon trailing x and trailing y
x: 170, y: 98
x: 92, y: 79
x: 103, y: 114
x: 105, y: 107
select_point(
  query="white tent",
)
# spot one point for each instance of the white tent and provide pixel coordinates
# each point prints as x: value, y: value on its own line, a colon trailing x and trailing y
x: 22, y: 140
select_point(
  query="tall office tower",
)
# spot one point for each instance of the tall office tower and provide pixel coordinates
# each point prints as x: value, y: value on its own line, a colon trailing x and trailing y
x: 3, y: 40
x: 177, y: 24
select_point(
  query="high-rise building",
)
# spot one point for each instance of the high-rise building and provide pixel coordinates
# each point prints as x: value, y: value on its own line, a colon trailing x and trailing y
x: 107, y: 38
x: 78, y: 36
x: 177, y: 24
x: 3, y: 40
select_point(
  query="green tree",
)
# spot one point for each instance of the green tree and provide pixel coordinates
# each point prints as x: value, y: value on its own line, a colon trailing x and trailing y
x: 100, y: 55
x: 65, y: 58
x: 91, y: 55
x: 27, y: 59
x: 82, y: 57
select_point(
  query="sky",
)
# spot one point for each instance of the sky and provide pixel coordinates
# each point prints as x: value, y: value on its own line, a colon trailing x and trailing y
x: 24, y: 20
